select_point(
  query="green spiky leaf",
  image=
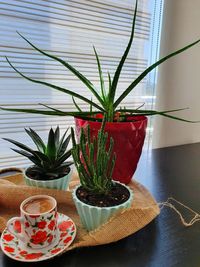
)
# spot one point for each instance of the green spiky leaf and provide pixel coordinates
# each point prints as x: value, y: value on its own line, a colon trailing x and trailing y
x: 76, y: 105
x: 36, y: 139
x: 121, y: 63
x: 80, y: 76
x: 50, y: 159
x: 106, y: 103
x: 51, y: 145
x: 100, y: 75
x: 55, y: 87
x: 149, y: 69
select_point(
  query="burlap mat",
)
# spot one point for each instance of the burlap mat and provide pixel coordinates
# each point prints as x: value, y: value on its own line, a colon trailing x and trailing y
x: 143, y: 210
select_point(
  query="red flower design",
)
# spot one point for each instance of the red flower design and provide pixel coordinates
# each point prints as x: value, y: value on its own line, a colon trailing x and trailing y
x: 8, y: 237
x: 55, y: 250
x: 41, y: 224
x: 23, y: 252
x: 27, y: 224
x: 9, y: 249
x: 51, y: 225
x: 33, y: 256
x: 17, y: 226
x: 39, y: 237
x: 65, y: 225
x: 63, y: 234
x: 50, y: 238
x: 69, y: 238
x: 34, y: 216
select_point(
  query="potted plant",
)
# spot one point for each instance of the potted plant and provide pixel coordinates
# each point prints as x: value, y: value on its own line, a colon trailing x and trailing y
x: 126, y: 126
x: 98, y: 197
x: 50, y: 169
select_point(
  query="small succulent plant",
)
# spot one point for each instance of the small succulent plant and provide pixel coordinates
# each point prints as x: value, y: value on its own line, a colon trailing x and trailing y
x: 49, y: 159
x: 93, y: 160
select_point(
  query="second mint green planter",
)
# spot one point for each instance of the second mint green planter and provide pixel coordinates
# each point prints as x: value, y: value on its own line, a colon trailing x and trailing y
x: 92, y: 217
x: 60, y: 184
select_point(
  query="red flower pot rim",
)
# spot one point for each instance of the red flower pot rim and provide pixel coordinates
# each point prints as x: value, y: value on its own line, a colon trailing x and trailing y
x: 35, y: 197
x: 133, y: 119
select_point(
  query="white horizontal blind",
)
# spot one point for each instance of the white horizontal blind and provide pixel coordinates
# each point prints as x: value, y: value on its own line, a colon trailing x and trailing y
x: 68, y: 29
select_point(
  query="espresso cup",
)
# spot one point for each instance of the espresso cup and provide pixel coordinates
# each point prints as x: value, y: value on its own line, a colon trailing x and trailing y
x: 37, y: 224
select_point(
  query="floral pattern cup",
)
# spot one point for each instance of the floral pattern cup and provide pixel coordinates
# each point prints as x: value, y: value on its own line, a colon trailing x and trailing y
x: 35, y: 230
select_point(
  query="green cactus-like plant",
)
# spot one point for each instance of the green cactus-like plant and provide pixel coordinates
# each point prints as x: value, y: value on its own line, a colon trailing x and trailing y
x: 49, y: 159
x: 93, y: 160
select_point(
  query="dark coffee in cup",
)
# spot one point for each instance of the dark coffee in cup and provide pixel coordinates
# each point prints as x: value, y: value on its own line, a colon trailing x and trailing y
x: 38, y: 205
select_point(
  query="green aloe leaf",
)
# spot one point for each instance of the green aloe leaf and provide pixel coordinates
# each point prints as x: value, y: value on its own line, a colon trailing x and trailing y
x: 76, y: 105
x: 23, y: 153
x: 140, y: 106
x: 109, y: 88
x: 61, y: 142
x: 149, y: 110
x: 36, y: 139
x: 58, y: 88
x: 176, y: 118
x: 53, y: 113
x: 121, y: 63
x: 100, y: 75
x: 91, y: 108
x: 73, y: 138
x: 54, y: 109
x: 69, y: 67
x: 35, y: 111
x: 38, y: 154
x: 64, y: 157
x: 83, y: 115
x: 57, y: 137
x: 42, y: 157
x: 109, y: 80
x: 62, y: 168
x: 29, y: 156
x: 149, y: 69
x: 64, y: 145
x: 161, y: 113
x: 20, y: 145
x: 51, y: 146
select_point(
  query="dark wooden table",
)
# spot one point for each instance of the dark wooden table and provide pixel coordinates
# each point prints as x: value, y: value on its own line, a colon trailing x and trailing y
x: 165, y: 242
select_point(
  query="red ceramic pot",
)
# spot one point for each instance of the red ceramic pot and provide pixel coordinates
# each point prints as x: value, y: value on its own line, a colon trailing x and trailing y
x: 128, y: 142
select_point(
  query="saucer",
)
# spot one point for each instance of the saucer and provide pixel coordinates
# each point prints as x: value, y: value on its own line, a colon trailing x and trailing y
x: 16, y: 250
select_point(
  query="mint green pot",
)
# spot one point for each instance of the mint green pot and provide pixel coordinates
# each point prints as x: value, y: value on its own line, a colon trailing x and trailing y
x: 92, y: 217
x: 60, y: 184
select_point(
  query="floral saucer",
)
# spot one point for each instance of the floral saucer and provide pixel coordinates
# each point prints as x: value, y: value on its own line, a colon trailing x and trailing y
x: 16, y: 250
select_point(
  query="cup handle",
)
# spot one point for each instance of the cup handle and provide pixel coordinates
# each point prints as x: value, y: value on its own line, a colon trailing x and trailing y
x: 11, y: 230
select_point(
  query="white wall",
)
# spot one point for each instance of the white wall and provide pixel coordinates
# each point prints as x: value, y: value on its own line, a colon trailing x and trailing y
x: 179, y: 78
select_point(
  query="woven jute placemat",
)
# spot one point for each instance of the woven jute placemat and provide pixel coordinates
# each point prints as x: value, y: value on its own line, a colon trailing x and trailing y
x: 143, y: 210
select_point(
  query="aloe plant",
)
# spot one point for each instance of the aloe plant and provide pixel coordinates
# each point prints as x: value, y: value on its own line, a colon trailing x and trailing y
x: 106, y: 97
x: 94, y: 162
x: 49, y: 159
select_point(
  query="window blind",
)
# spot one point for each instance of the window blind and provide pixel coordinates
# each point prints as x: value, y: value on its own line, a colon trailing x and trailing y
x: 69, y: 29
